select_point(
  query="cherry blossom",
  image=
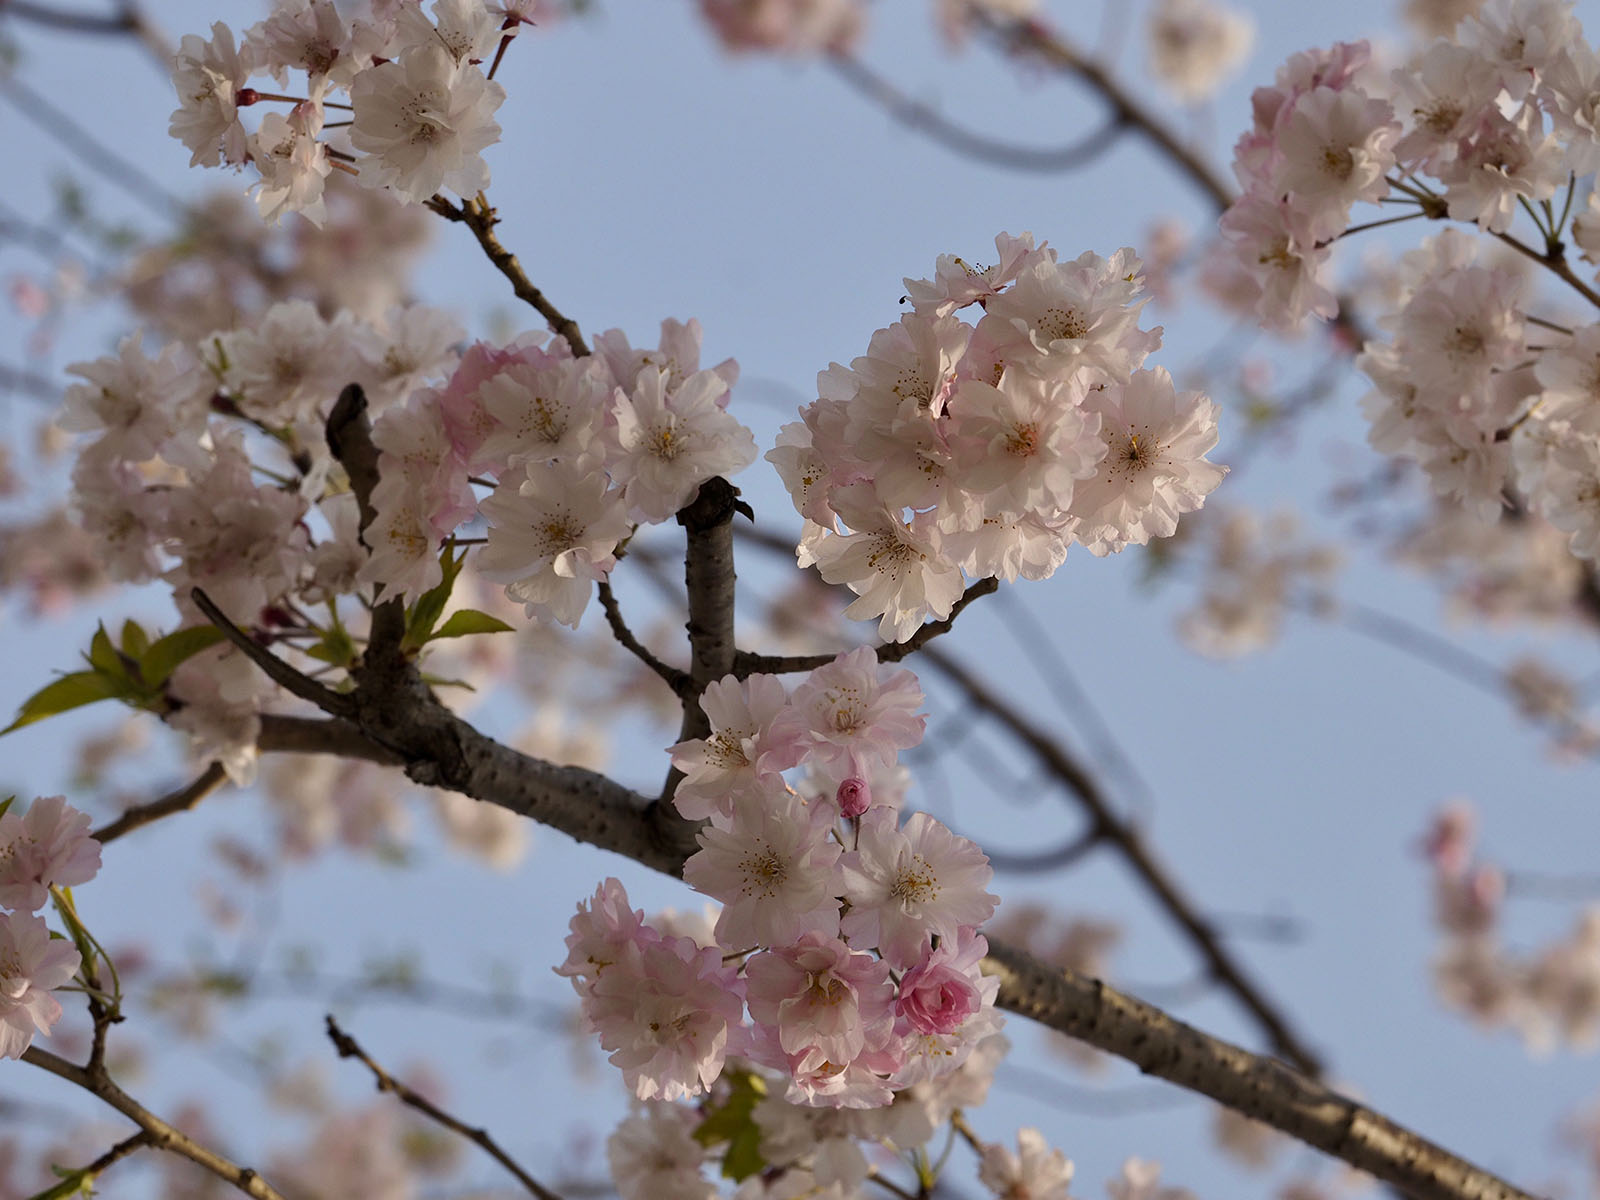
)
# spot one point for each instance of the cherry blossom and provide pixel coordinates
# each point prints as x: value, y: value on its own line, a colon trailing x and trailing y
x: 909, y: 885
x: 552, y: 534
x: 47, y: 846
x: 653, y: 1155
x: 424, y: 121
x: 1035, y: 1171
x: 31, y: 966
x: 775, y: 871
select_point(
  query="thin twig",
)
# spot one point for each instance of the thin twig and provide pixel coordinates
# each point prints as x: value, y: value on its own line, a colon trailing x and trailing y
x: 925, y: 119
x: 85, y: 1177
x: 674, y: 678
x: 1556, y: 263
x: 161, y: 1135
x: 280, y: 672
x: 348, y: 1047
x: 477, y: 216
x: 888, y: 652
x: 182, y: 800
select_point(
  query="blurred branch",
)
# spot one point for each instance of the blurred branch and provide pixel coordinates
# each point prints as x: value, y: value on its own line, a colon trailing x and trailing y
x: 90, y: 151
x: 1033, y: 38
x: 126, y: 19
x: 348, y: 1047
x: 924, y: 119
x: 158, y: 1133
x: 1109, y: 827
x: 20, y: 379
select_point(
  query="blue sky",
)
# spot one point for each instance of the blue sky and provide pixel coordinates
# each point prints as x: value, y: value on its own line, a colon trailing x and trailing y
x: 643, y: 174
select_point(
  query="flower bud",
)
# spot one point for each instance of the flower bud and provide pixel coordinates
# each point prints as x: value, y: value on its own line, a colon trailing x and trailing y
x: 854, y: 797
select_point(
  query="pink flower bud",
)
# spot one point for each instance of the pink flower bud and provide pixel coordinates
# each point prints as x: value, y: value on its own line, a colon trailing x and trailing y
x: 935, y: 997
x: 854, y: 797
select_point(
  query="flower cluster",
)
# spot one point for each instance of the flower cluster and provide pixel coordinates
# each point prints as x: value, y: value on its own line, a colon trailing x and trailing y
x: 1254, y: 571
x: 1549, y: 996
x: 47, y: 846
x: 582, y: 450
x: 990, y: 448
x: 208, y: 467
x: 1195, y: 45
x: 1479, y: 127
x: 855, y: 934
x: 421, y: 105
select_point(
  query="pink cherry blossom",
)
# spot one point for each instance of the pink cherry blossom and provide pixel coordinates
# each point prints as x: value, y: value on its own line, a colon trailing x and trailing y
x: 775, y: 870
x: 745, y: 747
x: 823, y: 1000
x: 670, y: 1013
x: 1035, y: 1171
x: 938, y: 995
x: 46, y: 846
x: 906, y: 886
x: 853, y: 713
x: 32, y: 964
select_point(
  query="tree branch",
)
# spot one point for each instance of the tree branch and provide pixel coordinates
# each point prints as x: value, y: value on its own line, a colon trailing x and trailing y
x: 182, y: 800
x: 313, y: 735
x: 477, y: 216
x: 1106, y: 825
x: 349, y: 437
x: 348, y: 1047
x: 1032, y: 36
x: 924, y: 119
x: 280, y: 672
x: 159, y: 1134
x: 675, y: 679
x: 1258, y: 1087
x: 888, y: 652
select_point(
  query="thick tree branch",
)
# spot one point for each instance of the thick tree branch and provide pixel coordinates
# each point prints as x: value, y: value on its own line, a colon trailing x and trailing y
x: 1259, y: 1087
x: 708, y: 578
x: 158, y: 1133
x: 349, y: 436
x: 314, y: 735
x: 603, y: 814
x: 182, y: 800
x: 348, y: 1047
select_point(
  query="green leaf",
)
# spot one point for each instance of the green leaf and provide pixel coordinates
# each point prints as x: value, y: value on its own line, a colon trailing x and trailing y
x: 73, y: 1183
x: 103, y: 655
x: 734, y: 1122
x: 469, y: 620
x: 425, y: 613
x: 135, y: 641
x: 165, y: 655
x: 5, y: 805
x: 336, y: 647
x: 68, y: 692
